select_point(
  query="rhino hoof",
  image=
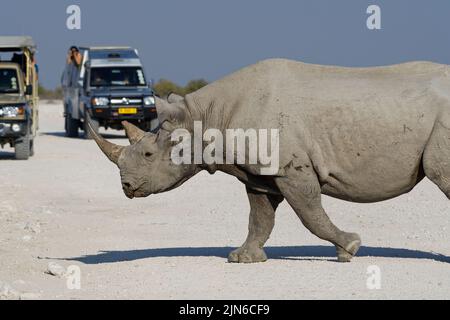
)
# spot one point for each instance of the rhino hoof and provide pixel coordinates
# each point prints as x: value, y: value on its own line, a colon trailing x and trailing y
x: 247, y: 255
x: 346, y: 255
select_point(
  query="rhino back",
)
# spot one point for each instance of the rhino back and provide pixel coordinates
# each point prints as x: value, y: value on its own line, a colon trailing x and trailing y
x: 364, y: 129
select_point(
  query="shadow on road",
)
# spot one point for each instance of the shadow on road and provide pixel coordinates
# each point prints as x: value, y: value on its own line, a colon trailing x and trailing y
x: 80, y: 137
x: 283, y: 253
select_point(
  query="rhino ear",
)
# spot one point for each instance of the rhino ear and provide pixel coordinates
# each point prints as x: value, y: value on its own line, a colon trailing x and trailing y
x: 173, y: 97
x: 170, y: 115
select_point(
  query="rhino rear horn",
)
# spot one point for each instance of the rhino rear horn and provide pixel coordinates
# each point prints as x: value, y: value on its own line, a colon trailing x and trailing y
x: 134, y: 134
x: 111, y: 150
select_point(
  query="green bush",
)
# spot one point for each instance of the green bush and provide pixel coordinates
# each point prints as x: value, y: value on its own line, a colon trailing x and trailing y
x: 194, y: 85
x: 164, y: 87
x: 47, y: 94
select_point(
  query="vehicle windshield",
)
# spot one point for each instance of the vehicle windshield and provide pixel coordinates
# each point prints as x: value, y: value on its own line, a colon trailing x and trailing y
x: 117, y: 77
x: 9, y: 81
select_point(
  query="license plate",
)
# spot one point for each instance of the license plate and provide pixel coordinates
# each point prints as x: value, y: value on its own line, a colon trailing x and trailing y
x: 127, y: 110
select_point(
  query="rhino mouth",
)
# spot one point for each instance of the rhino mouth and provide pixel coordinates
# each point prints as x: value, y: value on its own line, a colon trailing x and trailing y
x: 135, y: 192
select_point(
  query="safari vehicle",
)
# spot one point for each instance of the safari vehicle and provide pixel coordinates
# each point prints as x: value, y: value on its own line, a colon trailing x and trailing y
x: 18, y: 95
x: 109, y: 86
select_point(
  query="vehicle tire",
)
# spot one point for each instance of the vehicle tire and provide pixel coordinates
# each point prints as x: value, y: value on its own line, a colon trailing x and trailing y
x: 22, y: 148
x: 94, y: 124
x: 71, y: 126
x: 31, y: 147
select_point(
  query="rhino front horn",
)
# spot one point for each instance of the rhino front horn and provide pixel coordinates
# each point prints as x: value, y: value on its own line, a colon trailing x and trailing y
x: 111, y: 150
x: 134, y: 134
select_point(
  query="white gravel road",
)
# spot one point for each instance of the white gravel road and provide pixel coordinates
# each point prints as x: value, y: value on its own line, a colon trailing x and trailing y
x: 65, y: 207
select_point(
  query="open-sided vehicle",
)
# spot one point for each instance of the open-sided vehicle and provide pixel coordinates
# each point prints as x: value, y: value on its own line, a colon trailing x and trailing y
x: 18, y: 95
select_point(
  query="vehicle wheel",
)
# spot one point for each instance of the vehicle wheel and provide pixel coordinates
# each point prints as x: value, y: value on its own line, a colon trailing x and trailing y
x: 71, y: 126
x: 94, y: 124
x: 23, y: 148
x: 31, y: 147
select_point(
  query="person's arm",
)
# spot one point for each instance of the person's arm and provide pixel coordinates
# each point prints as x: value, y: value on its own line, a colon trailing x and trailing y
x: 36, y: 67
x: 78, y: 58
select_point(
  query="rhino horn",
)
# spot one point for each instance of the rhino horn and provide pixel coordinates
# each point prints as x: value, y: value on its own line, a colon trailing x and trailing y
x: 111, y: 150
x: 134, y: 134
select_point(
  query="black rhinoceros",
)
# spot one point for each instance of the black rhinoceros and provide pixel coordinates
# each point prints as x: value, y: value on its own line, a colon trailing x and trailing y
x: 358, y: 134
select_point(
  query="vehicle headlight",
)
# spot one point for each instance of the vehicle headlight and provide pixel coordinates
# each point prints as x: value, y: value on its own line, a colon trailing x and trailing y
x: 149, y: 101
x: 100, y: 101
x: 11, y: 111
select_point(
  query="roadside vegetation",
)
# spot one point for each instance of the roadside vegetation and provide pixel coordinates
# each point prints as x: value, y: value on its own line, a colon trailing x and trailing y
x: 163, y: 87
x: 47, y: 94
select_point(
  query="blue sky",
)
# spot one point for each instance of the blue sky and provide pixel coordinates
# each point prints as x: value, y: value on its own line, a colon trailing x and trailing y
x: 182, y: 40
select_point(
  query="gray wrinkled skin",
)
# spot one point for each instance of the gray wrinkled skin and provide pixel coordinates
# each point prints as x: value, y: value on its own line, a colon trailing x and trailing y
x: 358, y: 134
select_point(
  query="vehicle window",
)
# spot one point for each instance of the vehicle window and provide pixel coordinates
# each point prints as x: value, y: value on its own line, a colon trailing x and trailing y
x: 9, y: 81
x: 117, y: 77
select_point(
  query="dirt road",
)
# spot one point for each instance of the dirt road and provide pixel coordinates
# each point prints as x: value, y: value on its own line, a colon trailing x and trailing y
x: 66, y: 206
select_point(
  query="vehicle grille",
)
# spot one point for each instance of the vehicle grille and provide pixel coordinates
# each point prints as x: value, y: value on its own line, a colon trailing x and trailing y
x: 125, y: 101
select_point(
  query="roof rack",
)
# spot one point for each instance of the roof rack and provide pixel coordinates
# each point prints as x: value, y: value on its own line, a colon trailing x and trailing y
x: 106, y: 48
x: 16, y: 43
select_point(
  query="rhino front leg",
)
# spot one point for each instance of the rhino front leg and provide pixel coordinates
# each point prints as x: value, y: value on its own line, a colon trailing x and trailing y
x: 302, y: 190
x: 262, y: 220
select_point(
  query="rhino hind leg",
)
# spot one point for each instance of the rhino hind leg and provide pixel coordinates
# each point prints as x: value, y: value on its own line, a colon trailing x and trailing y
x: 302, y: 190
x: 262, y: 220
x: 436, y: 158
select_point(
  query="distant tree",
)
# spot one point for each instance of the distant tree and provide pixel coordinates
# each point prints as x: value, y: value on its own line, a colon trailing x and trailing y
x: 50, y: 94
x: 194, y: 85
x: 58, y: 92
x: 164, y: 87
x: 42, y: 91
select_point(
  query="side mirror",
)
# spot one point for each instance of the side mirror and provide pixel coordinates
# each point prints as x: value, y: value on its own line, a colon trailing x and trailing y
x: 29, y: 90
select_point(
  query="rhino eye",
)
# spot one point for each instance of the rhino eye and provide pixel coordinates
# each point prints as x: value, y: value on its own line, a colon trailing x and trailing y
x: 148, y: 154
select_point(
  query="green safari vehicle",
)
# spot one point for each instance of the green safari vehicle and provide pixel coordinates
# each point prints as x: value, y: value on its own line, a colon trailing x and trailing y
x: 18, y: 95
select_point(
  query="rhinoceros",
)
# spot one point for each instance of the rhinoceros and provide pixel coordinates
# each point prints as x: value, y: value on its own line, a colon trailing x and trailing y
x: 358, y: 134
